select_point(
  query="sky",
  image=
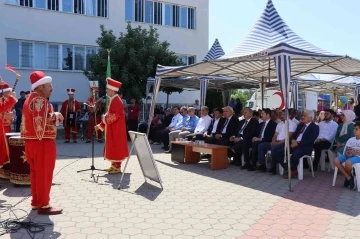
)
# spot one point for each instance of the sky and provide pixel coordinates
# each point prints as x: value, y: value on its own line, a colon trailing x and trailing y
x: 332, y: 25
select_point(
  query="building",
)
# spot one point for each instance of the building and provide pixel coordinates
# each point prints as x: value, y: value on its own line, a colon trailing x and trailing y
x: 57, y: 36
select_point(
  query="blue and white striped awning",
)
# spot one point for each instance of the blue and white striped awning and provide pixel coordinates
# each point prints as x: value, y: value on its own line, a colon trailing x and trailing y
x: 215, y: 52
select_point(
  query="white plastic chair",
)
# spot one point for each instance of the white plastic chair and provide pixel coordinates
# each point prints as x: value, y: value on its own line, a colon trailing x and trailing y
x: 300, y: 167
x: 323, y: 158
x: 356, y: 169
x: 335, y: 174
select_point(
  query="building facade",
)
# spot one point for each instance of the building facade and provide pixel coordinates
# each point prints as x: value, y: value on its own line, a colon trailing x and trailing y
x: 58, y: 36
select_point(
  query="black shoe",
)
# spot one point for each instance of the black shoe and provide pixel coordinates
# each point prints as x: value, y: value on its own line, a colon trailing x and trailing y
x: 246, y: 166
x: 262, y: 168
x: 88, y: 141
x: 251, y: 168
x: 67, y: 141
x: 167, y: 152
x: 166, y: 149
x: 352, y: 182
x: 100, y: 141
x: 272, y: 171
x: 74, y: 141
x: 346, y: 183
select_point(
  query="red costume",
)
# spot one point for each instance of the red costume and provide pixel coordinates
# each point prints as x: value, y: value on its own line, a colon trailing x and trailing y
x: 113, y: 122
x: 6, y: 103
x: 69, y: 109
x: 94, y: 121
x: 39, y: 130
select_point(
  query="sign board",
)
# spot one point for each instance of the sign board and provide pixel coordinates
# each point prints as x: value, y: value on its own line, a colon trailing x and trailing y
x: 145, y: 157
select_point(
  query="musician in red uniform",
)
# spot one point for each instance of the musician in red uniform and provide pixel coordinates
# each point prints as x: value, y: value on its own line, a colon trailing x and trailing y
x: 39, y: 128
x: 7, y: 101
x: 113, y: 122
x: 70, y: 110
x: 8, y: 116
x: 94, y: 118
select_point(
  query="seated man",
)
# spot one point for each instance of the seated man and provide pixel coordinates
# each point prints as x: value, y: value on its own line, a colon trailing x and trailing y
x: 262, y: 141
x: 241, y: 141
x: 176, y: 120
x: 326, y: 137
x: 226, y: 128
x: 172, y: 133
x: 278, y: 141
x: 164, y: 121
x: 350, y: 157
x: 302, y: 143
x: 202, y: 125
x: 213, y: 127
x: 189, y: 127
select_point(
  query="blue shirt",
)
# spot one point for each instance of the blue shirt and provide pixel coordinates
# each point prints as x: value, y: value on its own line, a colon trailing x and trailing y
x: 192, y: 123
x: 185, y: 118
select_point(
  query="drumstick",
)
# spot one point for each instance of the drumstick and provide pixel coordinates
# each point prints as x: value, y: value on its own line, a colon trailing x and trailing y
x: 18, y: 76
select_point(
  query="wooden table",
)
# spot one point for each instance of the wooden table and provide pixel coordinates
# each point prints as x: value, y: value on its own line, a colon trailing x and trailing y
x: 188, y: 152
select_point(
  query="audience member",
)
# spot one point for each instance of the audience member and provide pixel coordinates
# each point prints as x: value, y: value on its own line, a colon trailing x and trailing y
x: 202, y: 125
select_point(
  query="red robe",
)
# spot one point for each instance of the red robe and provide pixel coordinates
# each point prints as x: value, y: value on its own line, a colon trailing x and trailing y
x: 38, y: 128
x: 8, y: 118
x: 5, y: 105
x: 67, y: 107
x: 113, y: 122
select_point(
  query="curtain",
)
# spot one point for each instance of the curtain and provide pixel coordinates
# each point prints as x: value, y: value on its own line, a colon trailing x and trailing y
x: 40, y: 56
x: 90, y: 7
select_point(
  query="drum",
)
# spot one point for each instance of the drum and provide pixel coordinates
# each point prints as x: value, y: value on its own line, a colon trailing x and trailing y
x: 19, y: 167
x: 5, y: 170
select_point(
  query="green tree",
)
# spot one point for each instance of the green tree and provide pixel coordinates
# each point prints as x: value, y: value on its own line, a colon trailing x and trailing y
x: 134, y: 56
x: 243, y: 95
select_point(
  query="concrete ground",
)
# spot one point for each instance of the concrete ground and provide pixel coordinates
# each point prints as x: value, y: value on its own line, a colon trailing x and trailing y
x: 196, y: 202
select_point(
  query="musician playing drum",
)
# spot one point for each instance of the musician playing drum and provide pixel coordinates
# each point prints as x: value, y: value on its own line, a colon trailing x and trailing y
x: 70, y: 109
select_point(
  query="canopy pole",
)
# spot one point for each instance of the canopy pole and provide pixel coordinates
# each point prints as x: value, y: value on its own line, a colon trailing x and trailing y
x: 153, y: 102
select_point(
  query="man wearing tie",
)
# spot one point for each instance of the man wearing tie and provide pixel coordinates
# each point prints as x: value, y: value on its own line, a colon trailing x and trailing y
x: 247, y: 130
x: 227, y: 127
x: 302, y: 142
x: 264, y: 137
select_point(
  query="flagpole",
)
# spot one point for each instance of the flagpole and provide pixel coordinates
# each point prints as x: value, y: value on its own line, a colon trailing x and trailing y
x: 108, y: 75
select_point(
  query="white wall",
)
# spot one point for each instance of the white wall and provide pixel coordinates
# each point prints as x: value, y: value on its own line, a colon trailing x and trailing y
x: 27, y: 23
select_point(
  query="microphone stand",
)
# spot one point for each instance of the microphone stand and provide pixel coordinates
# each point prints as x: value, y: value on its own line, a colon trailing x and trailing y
x: 92, y: 167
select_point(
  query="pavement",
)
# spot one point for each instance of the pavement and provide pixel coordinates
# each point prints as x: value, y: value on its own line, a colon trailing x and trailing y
x: 195, y: 202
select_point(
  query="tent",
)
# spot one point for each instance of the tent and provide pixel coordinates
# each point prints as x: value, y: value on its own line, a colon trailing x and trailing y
x: 271, y: 50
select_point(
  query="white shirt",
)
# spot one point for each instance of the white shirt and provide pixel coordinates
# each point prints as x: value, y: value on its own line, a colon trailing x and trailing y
x: 197, y: 107
x: 203, y: 124
x: 280, y: 129
x: 176, y: 120
x: 327, y: 130
x: 295, y: 121
x: 277, y: 120
x: 215, y: 125
x: 263, y: 130
x: 299, y: 138
x: 225, y: 126
x: 260, y: 121
x: 354, y: 144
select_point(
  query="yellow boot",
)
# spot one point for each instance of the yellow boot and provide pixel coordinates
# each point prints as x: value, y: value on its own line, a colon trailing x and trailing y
x: 114, y: 170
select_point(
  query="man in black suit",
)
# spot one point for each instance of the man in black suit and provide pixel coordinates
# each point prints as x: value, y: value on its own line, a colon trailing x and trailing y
x: 210, y: 132
x: 226, y: 128
x: 266, y: 131
x: 302, y: 142
x: 242, y: 139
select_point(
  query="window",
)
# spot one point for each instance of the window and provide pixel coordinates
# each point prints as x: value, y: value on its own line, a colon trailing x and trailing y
x: 183, y: 17
x: 175, y: 16
x: 67, y: 5
x: 167, y: 15
x: 90, y: 52
x: 40, y: 56
x: 26, y: 54
x: 67, y: 54
x: 191, y: 60
x: 139, y: 10
x: 13, y: 2
x: 40, y: 4
x: 53, y: 57
x: 12, y: 52
x: 79, y: 58
x: 158, y: 13
x: 79, y: 7
x: 102, y: 10
x: 149, y: 11
x: 191, y: 18
x: 129, y: 10
x: 26, y: 3
x: 53, y: 5
x: 183, y: 59
x: 90, y: 7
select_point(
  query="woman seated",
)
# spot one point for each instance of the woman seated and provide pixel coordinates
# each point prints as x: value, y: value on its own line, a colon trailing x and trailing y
x: 345, y: 131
